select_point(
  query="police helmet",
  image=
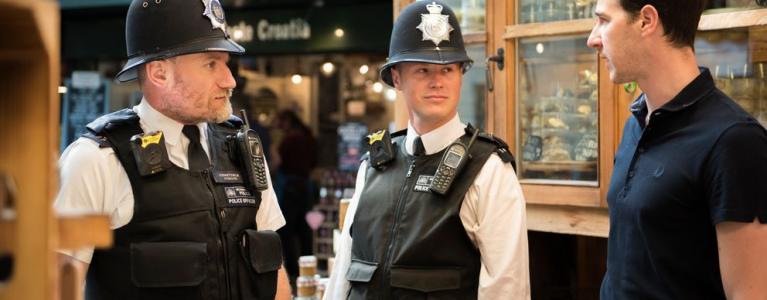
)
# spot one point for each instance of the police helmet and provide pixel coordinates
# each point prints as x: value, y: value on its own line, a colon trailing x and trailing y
x: 426, y: 31
x: 160, y: 29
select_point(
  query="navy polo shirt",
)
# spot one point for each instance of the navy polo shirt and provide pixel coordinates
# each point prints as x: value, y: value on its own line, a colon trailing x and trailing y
x: 701, y: 161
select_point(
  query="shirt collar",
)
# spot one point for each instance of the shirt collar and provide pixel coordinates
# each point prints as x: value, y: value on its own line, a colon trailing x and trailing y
x: 688, y: 96
x: 437, y: 139
x: 152, y: 120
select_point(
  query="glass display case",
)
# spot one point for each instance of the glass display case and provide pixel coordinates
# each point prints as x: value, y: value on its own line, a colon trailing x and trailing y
x: 537, y: 11
x: 470, y: 13
x: 557, y: 108
x: 737, y: 60
x: 471, y: 108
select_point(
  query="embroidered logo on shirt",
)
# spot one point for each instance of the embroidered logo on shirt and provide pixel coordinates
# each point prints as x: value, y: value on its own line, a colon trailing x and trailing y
x: 423, y: 183
x: 239, y: 196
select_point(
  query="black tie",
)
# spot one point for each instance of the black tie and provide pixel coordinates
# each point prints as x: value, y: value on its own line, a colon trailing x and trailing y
x: 198, y: 160
x: 418, y: 148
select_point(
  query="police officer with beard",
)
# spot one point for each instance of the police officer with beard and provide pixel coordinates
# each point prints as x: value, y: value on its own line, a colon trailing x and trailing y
x: 438, y: 212
x: 185, y: 185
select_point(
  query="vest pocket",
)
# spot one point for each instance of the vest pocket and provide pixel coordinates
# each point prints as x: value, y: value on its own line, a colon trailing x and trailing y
x: 359, y: 274
x: 262, y: 251
x: 168, y: 270
x: 421, y: 283
x: 361, y: 271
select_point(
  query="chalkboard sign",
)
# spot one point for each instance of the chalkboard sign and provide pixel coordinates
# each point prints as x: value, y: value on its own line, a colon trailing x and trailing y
x: 533, y: 148
x: 81, y: 105
x: 350, y: 145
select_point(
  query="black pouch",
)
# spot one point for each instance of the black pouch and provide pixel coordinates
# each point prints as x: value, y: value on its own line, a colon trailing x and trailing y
x: 426, y: 283
x: 169, y: 270
x: 262, y: 251
x: 359, y: 275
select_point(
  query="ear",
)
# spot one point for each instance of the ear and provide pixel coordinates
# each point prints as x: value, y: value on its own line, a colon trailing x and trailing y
x: 649, y: 21
x: 159, y: 73
x: 395, y: 77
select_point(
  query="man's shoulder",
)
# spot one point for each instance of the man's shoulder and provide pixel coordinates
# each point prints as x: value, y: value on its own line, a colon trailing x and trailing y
x: 234, y: 122
x: 118, y: 117
x: 85, y: 151
x: 501, y: 148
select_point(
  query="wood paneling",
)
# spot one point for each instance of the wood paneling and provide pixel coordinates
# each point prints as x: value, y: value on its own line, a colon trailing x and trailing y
x: 568, y: 220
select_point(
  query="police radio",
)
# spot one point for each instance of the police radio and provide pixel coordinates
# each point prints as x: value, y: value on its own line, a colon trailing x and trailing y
x: 453, y: 161
x: 251, y: 155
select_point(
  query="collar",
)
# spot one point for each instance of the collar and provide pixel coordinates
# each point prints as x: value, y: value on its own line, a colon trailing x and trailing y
x: 437, y: 139
x: 688, y: 96
x: 152, y: 120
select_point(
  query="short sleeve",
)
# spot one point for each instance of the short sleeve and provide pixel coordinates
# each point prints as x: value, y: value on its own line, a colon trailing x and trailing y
x: 737, y: 187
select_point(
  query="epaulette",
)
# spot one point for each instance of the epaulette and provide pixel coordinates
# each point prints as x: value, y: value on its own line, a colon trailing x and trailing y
x: 233, y: 122
x: 124, y: 115
x: 102, y: 141
x: 400, y: 132
x: 502, y: 149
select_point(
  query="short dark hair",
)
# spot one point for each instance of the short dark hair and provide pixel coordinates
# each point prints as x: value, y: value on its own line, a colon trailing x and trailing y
x: 679, y: 17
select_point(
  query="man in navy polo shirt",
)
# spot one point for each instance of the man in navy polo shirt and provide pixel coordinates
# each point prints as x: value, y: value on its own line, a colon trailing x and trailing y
x: 688, y: 203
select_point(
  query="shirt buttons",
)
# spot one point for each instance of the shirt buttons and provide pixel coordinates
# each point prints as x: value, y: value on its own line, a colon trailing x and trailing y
x: 631, y: 174
x: 641, y: 149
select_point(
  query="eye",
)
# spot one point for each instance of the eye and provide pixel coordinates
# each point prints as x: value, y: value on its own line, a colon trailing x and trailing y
x: 211, y: 65
x: 422, y: 70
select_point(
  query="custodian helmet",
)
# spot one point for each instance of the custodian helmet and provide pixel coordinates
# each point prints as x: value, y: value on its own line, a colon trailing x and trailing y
x: 160, y: 29
x: 426, y: 31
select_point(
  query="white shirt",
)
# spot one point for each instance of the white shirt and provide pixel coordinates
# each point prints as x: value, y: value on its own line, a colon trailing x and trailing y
x: 93, y: 180
x: 493, y: 214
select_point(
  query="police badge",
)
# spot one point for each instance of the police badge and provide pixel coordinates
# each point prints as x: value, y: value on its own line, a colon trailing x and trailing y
x: 434, y: 25
x: 215, y: 12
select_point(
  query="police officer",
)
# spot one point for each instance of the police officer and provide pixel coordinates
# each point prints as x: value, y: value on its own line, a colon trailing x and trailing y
x: 407, y: 235
x: 188, y: 220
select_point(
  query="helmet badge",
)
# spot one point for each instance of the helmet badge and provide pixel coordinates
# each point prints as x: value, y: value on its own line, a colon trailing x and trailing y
x: 434, y: 25
x: 215, y: 12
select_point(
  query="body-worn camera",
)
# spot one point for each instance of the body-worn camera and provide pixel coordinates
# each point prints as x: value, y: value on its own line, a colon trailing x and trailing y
x: 381, y: 150
x: 150, y: 153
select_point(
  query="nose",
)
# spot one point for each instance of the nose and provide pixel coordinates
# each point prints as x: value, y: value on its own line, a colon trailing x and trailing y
x: 437, y: 80
x: 595, y: 40
x: 227, y: 80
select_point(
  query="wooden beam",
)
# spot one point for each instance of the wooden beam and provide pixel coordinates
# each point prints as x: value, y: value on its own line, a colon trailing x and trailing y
x: 560, y: 194
x: 549, y: 28
x: 568, y: 220
x: 733, y: 19
x: 84, y: 230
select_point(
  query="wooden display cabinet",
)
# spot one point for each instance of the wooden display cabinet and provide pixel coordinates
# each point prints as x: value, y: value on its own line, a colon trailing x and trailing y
x: 30, y: 232
x: 573, y: 206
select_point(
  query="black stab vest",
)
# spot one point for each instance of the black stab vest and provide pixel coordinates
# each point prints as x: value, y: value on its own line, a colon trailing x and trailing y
x: 409, y: 243
x: 189, y: 237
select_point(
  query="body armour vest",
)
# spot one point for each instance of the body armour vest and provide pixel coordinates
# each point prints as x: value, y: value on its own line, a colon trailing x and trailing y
x: 193, y: 234
x: 408, y: 242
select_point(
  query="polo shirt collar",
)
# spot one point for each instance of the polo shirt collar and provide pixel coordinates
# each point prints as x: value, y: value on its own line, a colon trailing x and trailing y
x: 690, y: 94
